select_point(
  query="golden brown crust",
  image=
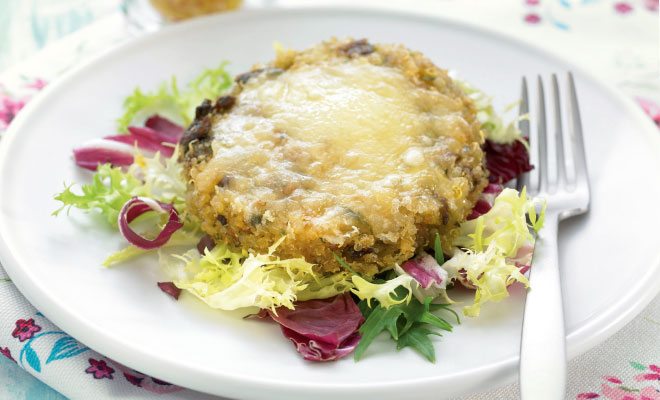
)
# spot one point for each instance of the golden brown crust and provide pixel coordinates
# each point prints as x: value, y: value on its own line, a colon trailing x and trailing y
x: 372, y: 230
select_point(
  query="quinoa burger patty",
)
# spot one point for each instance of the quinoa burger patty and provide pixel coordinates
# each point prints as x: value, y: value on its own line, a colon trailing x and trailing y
x: 361, y: 150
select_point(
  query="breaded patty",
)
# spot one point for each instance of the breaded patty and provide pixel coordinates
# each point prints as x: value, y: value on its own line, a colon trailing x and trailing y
x: 361, y: 150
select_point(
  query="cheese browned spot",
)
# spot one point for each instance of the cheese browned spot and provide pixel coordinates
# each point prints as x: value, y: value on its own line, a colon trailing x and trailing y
x: 358, y: 149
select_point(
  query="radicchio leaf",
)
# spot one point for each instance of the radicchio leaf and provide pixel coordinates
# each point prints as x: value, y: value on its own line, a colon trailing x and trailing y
x: 140, y: 205
x: 205, y: 243
x: 486, y: 200
x: 146, y: 139
x: 98, y: 152
x: 506, y: 161
x: 426, y: 271
x: 165, y: 127
x: 142, y: 143
x: 159, y: 135
x: 523, y: 258
x: 321, y: 330
x: 170, y: 289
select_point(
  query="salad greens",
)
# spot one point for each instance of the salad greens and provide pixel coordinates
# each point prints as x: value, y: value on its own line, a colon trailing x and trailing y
x: 487, y: 255
x: 110, y: 189
x: 504, y: 225
x: 183, y: 238
x: 489, y: 272
x: 385, y: 293
x: 155, y: 177
x: 437, y: 250
x: 228, y: 279
x: 492, y: 122
x: 488, y: 245
x: 409, y: 324
x: 175, y: 103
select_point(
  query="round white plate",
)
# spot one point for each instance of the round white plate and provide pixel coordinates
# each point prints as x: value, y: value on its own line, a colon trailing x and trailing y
x: 609, y: 258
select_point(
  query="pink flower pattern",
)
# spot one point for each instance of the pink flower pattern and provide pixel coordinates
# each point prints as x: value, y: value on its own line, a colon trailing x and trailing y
x: 146, y: 382
x: 11, y: 105
x: 623, y: 8
x: 100, y: 369
x: 613, y: 388
x: 651, y: 109
x: 7, y: 353
x: 587, y: 396
x: 647, y: 377
x: 25, y: 329
x: 534, y: 15
x: 613, y: 379
x: 532, y: 18
x: 8, y: 110
x: 37, y: 84
x: 651, y: 5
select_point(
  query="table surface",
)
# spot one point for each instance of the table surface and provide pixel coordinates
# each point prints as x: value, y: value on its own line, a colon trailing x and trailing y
x: 622, y: 38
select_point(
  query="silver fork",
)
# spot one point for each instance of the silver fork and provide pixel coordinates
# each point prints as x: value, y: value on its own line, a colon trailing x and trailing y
x: 542, y: 346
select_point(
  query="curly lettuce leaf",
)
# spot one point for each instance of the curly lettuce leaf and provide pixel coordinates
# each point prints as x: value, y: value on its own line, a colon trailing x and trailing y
x: 109, y: 190
x: 384, y: 293
x: 504, y: 225
x: 488, y: 247
x: 326, y: 287
x: 175, y: 103
x: 180, y: 238
x: 492, y: 122
x: 157, y: 177
x: 227, y: 279
x: 488, y: 271
x: 162, y: 178
x: 139, y: 105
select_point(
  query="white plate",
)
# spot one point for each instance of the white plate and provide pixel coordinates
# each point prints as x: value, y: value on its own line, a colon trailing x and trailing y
x: 609, y: 258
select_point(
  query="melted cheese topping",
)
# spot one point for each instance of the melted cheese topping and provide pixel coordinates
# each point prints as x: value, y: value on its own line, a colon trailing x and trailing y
x: 343, y: 141
x: 367, y: 154
x: 364, y: 112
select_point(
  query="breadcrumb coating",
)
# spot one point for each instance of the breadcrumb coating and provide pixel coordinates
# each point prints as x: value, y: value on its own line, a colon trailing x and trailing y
x: 358, y: 149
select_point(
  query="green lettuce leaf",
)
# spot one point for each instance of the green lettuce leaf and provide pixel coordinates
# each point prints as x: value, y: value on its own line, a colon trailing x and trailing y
x: 156, y: 177
x: 488, y: 271
x: 384, y: 293
x: 409, y: 324
x: 491, y: 122
x: 174, y: 103
x: 489, y: 245
x: 181, y: 238
x: 326, y: 286
x: 227, y: 279
x: 109, y: 190
x: 505, y: 225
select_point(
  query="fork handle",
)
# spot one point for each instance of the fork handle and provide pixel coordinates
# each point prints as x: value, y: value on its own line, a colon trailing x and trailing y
x: 542, y: 347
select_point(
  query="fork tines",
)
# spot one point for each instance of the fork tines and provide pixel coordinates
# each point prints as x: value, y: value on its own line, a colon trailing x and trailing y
x: 558, y: 173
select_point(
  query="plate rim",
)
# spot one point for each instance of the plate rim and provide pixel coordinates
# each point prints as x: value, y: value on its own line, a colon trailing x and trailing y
x: 590, y: 333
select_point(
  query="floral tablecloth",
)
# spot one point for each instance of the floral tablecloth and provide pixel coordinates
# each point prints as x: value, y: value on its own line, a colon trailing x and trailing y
x: 616, y: 40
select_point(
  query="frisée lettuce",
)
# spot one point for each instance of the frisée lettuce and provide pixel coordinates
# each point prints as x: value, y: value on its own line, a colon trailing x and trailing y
x: 488, y: 271
x: 384, y: 292
x: 487, y: 255
x: 492, y: 122
x: 156, y: 177
x: 487, y: 246
x: 504, y: 225
x: 109, y: 190
x: 175, y: 103
x: 226, y: 279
